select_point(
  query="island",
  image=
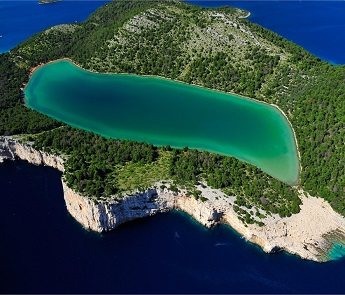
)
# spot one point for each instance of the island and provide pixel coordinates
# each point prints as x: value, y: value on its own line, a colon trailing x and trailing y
x: 47, y: 1
x: 111, y: 180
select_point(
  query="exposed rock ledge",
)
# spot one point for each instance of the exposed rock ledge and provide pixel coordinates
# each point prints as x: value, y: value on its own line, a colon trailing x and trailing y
x: 12, y: 149
x: 308, y: 234
x: 109, y: 215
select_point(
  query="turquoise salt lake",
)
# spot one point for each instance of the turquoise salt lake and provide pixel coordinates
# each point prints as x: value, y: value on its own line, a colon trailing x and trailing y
x: 165, y: 112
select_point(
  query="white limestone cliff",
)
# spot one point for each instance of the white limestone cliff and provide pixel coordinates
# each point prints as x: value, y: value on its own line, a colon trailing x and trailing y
x: 105, y: 216
x: 309, y: 234
x: 11, y: 149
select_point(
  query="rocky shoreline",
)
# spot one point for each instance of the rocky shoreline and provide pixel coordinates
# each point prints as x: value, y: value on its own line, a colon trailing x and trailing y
x: 308, y: 234
x: 12, y: 149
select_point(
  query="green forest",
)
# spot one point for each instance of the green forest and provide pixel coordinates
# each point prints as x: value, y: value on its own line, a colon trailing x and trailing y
x: 193, y: 45
x: 95, y: 168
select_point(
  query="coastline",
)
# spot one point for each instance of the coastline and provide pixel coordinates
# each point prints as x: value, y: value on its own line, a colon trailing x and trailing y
x: 310, y: 234
x: 246, y: 16
x: 295, y: 139
x: 32, y: 70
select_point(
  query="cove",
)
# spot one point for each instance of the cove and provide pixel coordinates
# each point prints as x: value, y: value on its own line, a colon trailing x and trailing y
x: 163, y: 112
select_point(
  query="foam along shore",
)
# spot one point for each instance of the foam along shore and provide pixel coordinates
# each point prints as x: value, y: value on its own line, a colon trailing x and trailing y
x: 312, y: 233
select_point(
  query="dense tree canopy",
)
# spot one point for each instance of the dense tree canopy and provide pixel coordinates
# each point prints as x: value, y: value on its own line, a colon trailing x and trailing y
x: 208, y: 47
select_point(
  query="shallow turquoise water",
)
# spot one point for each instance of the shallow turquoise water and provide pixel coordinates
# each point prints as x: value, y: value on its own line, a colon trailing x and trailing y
x: 337, y: 251
x: 164, y: 112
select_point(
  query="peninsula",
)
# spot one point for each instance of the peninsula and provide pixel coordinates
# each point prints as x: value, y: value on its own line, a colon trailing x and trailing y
x: 108, y: 181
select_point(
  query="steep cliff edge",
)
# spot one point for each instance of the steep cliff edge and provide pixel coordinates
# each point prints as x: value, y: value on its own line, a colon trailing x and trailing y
x: 309, y: 234
x: 12, y: 149
x: 106, y: 216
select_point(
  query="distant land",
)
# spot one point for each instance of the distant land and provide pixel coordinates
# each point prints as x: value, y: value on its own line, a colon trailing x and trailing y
x: 47, y: 1
x: 108, y: 181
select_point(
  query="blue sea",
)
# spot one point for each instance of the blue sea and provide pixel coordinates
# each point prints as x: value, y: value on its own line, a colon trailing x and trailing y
x: 318, y: 26
x: 21, y: 19
x: 44, y: 250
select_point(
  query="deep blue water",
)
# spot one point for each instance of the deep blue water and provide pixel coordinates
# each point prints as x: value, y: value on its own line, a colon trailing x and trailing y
x: 43, y: 250
x: 21, y: 19
x: 318, y: 26
x: 49, y: 252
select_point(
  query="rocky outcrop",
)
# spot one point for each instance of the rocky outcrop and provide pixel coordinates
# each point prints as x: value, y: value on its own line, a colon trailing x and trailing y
x: 12, y: 149
x: 204, y: 212
x: 310, y: 234
x: 105, y: 216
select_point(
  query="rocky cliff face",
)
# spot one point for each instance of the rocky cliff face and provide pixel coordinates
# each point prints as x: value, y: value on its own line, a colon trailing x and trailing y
x: 204, y: 212
x: 108, y: 215
x: 11, y: 149
x: 309, y: 234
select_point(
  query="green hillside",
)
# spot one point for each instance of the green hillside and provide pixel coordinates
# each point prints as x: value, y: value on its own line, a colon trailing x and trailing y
x: 214, y: 48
